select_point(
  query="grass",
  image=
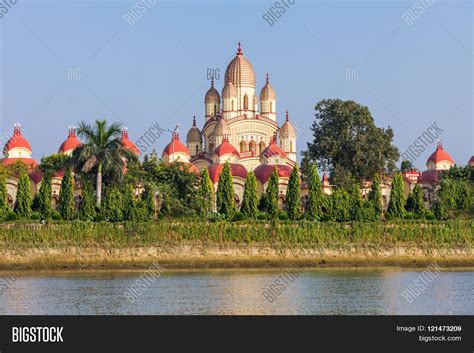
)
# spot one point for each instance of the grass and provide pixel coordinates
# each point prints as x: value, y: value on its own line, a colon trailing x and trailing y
x: 454, y: 234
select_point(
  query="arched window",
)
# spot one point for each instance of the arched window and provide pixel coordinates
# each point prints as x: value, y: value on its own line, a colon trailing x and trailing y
x: 291, y: 146
x: 197, y: 149
x: 243, y: 146
x: 252, y: 146
x: 271, y: 107
x: 215, y: 109
x: 232, y: 105
x: 246, y: 102
x: 211, y: 148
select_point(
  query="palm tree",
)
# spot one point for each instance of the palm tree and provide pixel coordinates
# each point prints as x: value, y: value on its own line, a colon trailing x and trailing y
x: 101, y: 152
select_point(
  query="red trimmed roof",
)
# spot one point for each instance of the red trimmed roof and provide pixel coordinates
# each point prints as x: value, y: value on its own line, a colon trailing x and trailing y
x: 175, y: 146
x: 225, y: 147
x: 36, y: 176
x: 28, y: 161
x: 236, y: 170
x: 70, y: 143
x: 17, y: 141
x: 273, y: 149
x: 430, y: 176
x: 471, y: 160
x: 440, y: 155
x: 263, y: 171
x: 127, y: 143
x: 325, y: 177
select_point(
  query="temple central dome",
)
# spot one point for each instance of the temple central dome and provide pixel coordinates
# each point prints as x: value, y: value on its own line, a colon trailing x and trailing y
x: 240, y: 71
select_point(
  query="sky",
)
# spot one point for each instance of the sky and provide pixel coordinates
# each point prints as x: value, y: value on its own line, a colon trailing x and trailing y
x: 409, y: 62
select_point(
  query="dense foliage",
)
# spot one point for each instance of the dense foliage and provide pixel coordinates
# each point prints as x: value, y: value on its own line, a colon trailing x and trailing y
x: 44, y: 207
x: 348, y: 144
x: 225, y: 202
x: 270, y: 196
x: 23, y: 197
x: 396, y: 205
x: 66, y: 205
x: 249, y: 205
x: 293, y: 195
x: 314, y: 204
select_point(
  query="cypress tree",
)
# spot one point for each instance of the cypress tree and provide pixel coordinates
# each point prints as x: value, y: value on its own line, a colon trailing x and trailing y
x: 415, y: 202
x: 315, y: 201
x: 44, y: 198
x: 293, y: 195
x: 225, y: 201
x: 340, y: 205
x: 4, y: 208
x: 23, y: 197
x: 396, y: 206
x: 113, y: 205
x: 375, y: 197
x: 66, y: 197
x: 129, y: 204
x: 88, y: 202
x: 206, y: 190
x: 356, y: 203
x: 271, y: 195
x: 250, y: 200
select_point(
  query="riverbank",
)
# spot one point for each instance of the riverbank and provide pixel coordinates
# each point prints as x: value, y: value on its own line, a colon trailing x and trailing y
x: 226, y: 256
x: 197, y: 244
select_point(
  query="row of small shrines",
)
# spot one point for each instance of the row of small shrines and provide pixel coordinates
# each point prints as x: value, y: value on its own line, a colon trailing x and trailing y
x: 18, y: 149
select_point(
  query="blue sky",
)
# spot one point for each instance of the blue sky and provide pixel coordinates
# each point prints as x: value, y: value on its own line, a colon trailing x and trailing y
x: 155, y: 71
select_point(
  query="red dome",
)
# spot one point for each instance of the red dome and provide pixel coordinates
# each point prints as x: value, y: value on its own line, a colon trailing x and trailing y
x: 440, y: 155
x: 175, y: 146
x: 236, y: 170
x: 70, y: 143
x: 263, y: 172
x: 17, y: 141
x: 127, y: 144
x: 36, y: 176
x: 225, y: 147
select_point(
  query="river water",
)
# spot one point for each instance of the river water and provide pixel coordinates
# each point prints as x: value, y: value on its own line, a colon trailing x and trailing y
x: 364, y: 291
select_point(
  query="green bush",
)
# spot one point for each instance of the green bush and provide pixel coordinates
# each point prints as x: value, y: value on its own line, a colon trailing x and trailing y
x: 56, y: 216
x: 12, y: 216
x: 430, y: 216
x: 409, y: 215
x: 239, y: 216
x: 262, y: 216
x: 35, y: 216
x: 283, y: 216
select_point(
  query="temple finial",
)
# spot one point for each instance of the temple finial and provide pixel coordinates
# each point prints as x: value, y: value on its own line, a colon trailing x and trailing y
x: 287, y: 118
x: 239, y: 50
x: 267, y: 79
x: 194, y: 121
x: 212, y: 81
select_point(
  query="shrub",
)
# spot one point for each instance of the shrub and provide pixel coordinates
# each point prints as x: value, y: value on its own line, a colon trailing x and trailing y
x: 35, y: 216
x: 56, y: 216
x: 262, y: 216
x: 239, y: 216
x: 283, y: 216
x: 430, y: 216
x: 12, y: 216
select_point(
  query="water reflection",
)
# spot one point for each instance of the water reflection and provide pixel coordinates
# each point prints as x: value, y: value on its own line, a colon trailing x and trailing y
x: 328, y: 291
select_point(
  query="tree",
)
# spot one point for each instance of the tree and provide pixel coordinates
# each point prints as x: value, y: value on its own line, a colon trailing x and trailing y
x: 375, y: 197
x: 396, y: 206
x: 102, y: 152
x: 147, y: 202
x: 206, y: 190
x: 340, y: 205
x: 415, y: 202
x: 356, y: 204
x: 130, y: 204
x: 250, y: 200
x: 113, y: 205
x: 44, y: 198
x: 54, y: 163
x: 313, y: 209
x: 66, y: 196
x: 4, y: 207
x: 23, y: 197
x: 225, y: 201
x: 271, y: 195
x: 87, y: 205
x: 345, y: 136
x: 406, y: 166
x: 293, y: 195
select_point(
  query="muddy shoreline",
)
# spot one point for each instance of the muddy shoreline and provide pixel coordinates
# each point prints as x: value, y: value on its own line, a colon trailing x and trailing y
x: 226, y: 256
